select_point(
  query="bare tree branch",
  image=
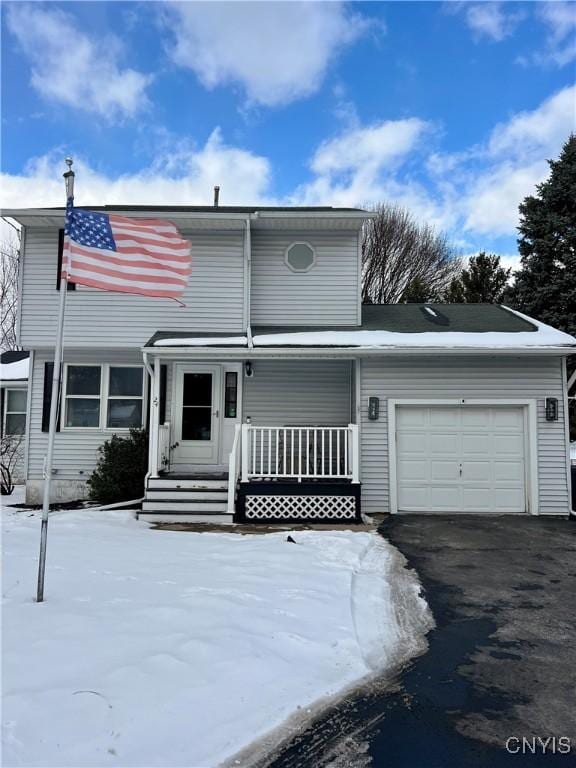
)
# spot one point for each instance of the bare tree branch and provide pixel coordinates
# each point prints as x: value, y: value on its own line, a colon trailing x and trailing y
x: 397, y: 252
x: 9, y: 266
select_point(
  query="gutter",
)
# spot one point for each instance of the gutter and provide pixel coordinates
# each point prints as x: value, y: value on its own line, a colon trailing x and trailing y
x: 240, y: 352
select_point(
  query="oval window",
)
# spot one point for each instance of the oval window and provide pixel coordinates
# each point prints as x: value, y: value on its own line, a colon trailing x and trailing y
x: 300, y: 257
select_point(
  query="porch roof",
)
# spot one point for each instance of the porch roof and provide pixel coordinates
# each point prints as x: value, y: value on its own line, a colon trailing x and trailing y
x: 414, y: 327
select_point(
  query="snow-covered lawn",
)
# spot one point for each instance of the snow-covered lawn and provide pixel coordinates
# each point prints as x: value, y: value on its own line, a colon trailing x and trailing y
x: 158, y: 648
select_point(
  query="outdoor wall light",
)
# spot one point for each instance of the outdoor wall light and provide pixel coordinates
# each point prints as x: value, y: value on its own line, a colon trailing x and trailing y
x: 551, y: 409
x: 373, y: 408
x: 248, y: 369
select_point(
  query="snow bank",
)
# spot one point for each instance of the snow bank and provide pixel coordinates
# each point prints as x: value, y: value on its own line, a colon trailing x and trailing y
x: 15, y: 371
x: 158, y: 648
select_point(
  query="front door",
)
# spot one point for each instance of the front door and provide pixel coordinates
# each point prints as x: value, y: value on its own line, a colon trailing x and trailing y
x: 197, y: 418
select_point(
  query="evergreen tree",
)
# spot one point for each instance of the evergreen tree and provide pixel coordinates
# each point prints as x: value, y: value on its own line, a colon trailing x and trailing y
x: 545, y: 286
x: 483, y: 281
x: 418, y: 291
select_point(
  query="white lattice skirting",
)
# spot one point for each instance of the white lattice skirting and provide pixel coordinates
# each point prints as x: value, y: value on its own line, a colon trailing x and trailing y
x: 290, y: 507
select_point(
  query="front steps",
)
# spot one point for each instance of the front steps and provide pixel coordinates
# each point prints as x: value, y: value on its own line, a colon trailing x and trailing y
x: 186, y: 499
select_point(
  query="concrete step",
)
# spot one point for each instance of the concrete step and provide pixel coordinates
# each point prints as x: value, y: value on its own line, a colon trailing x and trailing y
x: 179, y: 495
x: 164, y: 483
x: 165, y: 517
x: 177, y: 507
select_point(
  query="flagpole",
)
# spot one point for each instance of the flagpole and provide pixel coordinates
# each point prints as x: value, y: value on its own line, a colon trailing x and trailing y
x: 56, y: 378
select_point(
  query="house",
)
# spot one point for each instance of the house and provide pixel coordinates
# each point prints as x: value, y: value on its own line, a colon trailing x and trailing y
x: 274, y: 395
x: 13, y: 408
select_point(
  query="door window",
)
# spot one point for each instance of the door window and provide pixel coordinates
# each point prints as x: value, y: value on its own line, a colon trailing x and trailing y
x: 197, y: 406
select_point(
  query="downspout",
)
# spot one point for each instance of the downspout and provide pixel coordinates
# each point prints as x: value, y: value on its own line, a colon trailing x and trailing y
x: 150, y: 373
x: 248, y: 252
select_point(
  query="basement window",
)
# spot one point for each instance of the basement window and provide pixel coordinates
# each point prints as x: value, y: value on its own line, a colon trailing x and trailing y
x: 300, y: 257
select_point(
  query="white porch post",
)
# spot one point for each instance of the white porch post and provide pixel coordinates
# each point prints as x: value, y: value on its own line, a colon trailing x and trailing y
x: 245, y: 433
x: 355, y: 440
x: 154, y: 419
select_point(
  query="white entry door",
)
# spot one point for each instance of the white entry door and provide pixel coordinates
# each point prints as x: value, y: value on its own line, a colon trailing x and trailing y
x: 460, y: 458
x: 198, y: 398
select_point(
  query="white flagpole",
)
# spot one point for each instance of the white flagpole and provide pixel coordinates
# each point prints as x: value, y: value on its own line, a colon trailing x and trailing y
x: 56, y: 377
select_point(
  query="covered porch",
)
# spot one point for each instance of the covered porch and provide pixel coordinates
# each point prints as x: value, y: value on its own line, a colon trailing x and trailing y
x: 248, y: 437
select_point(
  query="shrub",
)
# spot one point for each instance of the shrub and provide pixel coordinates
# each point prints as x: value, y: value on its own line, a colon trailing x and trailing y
x: 121, y: 468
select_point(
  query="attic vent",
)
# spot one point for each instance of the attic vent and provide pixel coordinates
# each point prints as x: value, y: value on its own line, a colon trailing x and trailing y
x: 434, y: 316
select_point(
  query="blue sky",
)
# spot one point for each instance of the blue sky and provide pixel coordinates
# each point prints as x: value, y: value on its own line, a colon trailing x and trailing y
x: 450, y: 109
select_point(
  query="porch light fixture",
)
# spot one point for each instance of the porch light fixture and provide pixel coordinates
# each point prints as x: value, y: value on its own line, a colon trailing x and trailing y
x: 551, y: 409
x: 248, y: 369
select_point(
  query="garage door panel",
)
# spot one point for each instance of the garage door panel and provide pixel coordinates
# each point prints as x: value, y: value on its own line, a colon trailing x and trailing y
x: 412, y: 417
x: 508, y: 445
x: 413, y: 444
x: 444, y: 417
x: 509, y: 471
x: 413, y: 498
x: 461, y: 458
x: 444, y: 470
x: 480, y: 471
x: 478, y: 418
x: 477, y: 499
x: 444, y: 444
x: 414, y: 470
x: 445, y: 498
x: 476, y: 444
x: 504, y: 418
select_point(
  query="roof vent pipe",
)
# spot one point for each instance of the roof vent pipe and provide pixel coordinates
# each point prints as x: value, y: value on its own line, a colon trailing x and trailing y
x: 216, y: 196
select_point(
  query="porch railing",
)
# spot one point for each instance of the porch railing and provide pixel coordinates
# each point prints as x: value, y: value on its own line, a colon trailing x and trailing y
x: 300, y: 452
x: 233, y: 469
x: 163, y: 446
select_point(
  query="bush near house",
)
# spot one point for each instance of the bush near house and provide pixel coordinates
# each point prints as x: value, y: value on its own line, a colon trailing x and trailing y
x: 121, y: 468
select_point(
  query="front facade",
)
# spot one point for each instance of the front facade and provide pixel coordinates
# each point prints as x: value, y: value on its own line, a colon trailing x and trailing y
x: 274, y: 395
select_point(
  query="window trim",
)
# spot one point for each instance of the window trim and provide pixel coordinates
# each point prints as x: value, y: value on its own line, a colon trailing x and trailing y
x: 103, y: 397
x: 5, y: 432
x: 314, y: 257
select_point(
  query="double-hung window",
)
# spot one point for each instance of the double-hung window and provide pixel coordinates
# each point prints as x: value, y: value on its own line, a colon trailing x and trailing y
x: 103, y: 396
x: 15, y: 412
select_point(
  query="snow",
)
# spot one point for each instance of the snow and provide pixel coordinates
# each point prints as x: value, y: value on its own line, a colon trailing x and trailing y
x: 204, y: 341
x: 545, y: 336
x: 14, y: 371
x: 159, y: 648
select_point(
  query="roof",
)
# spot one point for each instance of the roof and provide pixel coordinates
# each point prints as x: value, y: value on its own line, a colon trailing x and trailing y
x: 220, y: 208
x: 14, y: 366
x: 397, y: 326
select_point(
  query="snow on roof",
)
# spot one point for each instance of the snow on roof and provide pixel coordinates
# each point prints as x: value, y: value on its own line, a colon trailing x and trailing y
x: 203, y: 341
x: 543, y: 337
x: 14, y: 371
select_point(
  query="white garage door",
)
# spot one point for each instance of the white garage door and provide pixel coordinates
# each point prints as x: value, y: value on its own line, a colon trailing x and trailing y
x: 460, y: 459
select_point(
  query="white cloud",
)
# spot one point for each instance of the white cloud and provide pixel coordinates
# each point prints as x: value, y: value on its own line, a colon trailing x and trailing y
x: 489, y: 19
x: 70, y: 67
x: 185, y: 176
x: 276, y: 51
x: 560, y: 19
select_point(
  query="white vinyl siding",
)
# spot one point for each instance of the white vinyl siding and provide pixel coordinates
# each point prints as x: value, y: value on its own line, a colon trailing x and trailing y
x: 75, y: 450
x: 464, y: 377
x: 298, y: 392
x: 327, y: 294
x: 214, y: 298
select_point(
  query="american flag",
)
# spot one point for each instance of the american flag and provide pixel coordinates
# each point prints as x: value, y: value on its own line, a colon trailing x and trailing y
x: 117, y: 253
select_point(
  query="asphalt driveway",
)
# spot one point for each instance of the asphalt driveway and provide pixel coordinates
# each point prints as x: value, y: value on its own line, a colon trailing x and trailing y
x: 501, y: 662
